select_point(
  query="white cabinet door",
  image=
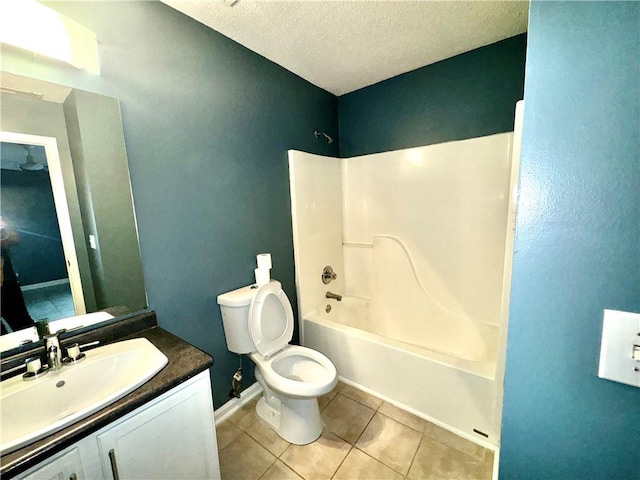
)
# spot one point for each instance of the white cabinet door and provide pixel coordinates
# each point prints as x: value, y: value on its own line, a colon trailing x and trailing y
x: 171, y: 439
x: 66, y: 466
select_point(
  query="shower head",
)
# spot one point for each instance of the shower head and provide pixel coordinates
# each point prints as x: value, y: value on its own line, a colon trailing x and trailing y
x: 322, y: 134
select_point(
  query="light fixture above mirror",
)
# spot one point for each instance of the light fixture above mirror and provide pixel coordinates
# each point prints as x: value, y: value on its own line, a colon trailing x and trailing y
x: 36, y: 28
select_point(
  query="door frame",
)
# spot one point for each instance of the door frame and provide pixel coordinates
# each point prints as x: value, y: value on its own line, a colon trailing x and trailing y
x: 50, y: 145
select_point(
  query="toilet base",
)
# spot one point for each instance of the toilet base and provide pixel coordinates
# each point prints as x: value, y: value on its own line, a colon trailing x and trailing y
x: 296, y: 420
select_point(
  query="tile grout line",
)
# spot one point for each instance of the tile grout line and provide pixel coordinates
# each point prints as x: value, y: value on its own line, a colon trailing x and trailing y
x: 415, y: 454
x: 377, y: 410
x: 269, y: 467
x: 356, y: 440
x: 423, y: 433
x: 365, y: 427
x: 290, y: 444
x: 351, y: 447
x: 447, y: 445
x: 382, y: 463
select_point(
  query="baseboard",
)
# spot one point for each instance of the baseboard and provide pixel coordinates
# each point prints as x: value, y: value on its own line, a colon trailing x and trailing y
x: 51, y: 283
x: 233, y: 405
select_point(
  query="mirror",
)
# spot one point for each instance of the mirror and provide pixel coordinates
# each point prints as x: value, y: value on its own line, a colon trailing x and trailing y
x: 66, y: 203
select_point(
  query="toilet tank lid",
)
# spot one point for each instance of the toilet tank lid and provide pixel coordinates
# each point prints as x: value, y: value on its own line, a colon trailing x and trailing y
x: 240, y: 297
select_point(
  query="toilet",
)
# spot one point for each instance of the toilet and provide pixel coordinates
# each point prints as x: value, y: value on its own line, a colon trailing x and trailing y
x: 259, y: 321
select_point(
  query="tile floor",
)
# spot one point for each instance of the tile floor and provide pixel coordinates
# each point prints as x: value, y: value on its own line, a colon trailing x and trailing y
x: 53, y: 302
x: 363, y: 438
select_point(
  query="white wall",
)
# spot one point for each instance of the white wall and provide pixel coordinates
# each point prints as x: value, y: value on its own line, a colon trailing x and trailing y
x: 316, y: 203
x: 423, y: 234
x: 448, y: 204
x: 419, y: 232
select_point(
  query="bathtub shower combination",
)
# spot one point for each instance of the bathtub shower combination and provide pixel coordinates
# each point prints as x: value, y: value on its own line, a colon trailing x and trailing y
x: 421, y: 241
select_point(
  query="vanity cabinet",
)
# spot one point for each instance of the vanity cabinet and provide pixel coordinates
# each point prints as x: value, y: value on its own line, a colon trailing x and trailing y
x: 171, y: 437
x: 174, y: 438
x: 64, y: 466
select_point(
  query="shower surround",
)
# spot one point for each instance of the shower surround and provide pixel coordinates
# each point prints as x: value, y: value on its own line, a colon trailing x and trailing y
x: 421, y: 240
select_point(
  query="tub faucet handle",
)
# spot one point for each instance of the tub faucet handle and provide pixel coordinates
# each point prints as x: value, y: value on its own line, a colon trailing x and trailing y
x: 334, y: 296
x: 328, y: 274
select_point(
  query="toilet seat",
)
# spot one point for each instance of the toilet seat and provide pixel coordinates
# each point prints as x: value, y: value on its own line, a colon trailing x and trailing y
x: 259, y: 321
x: 298, y: 372
x: 270, y: 319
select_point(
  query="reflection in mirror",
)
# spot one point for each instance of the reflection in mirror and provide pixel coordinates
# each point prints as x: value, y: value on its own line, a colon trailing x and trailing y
x: 66, y: 204
x: 40, y: 277
x: 32, y: 254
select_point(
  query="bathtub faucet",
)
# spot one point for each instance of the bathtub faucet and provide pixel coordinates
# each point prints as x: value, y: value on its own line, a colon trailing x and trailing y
x: 335, y: 296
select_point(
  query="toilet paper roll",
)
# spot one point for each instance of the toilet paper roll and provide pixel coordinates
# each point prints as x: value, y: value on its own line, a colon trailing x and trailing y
x: 262, y: 276
x: 264, y: 261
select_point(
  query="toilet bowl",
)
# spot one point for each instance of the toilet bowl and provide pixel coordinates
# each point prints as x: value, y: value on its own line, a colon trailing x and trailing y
x: 259, y: 321
x: 297, y: 372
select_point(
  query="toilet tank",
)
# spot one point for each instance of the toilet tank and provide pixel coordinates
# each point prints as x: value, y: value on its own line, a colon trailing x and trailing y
x: 234, y: 307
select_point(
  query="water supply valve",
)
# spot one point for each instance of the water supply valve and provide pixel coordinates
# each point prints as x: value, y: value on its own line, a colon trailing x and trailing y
x: 236, y: 384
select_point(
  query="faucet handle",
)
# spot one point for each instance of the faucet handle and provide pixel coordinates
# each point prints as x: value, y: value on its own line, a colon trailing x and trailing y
x: 35, y: 368
x: 328, y: 274
x: 74, y: 355
x: 73, y: 351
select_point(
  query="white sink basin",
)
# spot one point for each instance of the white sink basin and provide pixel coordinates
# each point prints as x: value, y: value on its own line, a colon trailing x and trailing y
x: 31, y: 410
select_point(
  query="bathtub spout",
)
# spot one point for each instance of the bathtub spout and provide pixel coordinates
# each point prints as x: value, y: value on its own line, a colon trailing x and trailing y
x: 335, y: 296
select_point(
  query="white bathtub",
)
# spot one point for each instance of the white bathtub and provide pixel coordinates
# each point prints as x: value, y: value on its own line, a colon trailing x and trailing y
x: 455, y: 393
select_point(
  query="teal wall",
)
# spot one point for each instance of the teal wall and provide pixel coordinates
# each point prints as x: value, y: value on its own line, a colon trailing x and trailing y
x: 577, y: 247
x: 470, y: 95
x: 26, y: 201
x: 207, y: 126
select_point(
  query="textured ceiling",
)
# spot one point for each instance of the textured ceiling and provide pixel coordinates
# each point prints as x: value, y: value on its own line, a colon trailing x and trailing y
x: 342, y: 46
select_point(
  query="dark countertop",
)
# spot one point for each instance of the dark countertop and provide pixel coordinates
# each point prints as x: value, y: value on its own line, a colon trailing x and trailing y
x: 185, y: 361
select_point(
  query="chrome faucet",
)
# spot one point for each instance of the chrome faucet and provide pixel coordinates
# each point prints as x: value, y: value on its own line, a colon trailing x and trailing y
x: 335, y: 296
x: 54, y: 352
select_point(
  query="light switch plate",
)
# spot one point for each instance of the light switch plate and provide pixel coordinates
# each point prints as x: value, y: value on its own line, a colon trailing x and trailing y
x: 620, y: 332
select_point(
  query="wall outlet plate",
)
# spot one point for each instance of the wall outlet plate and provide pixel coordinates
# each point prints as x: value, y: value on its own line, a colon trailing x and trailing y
x: 620, y: 336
